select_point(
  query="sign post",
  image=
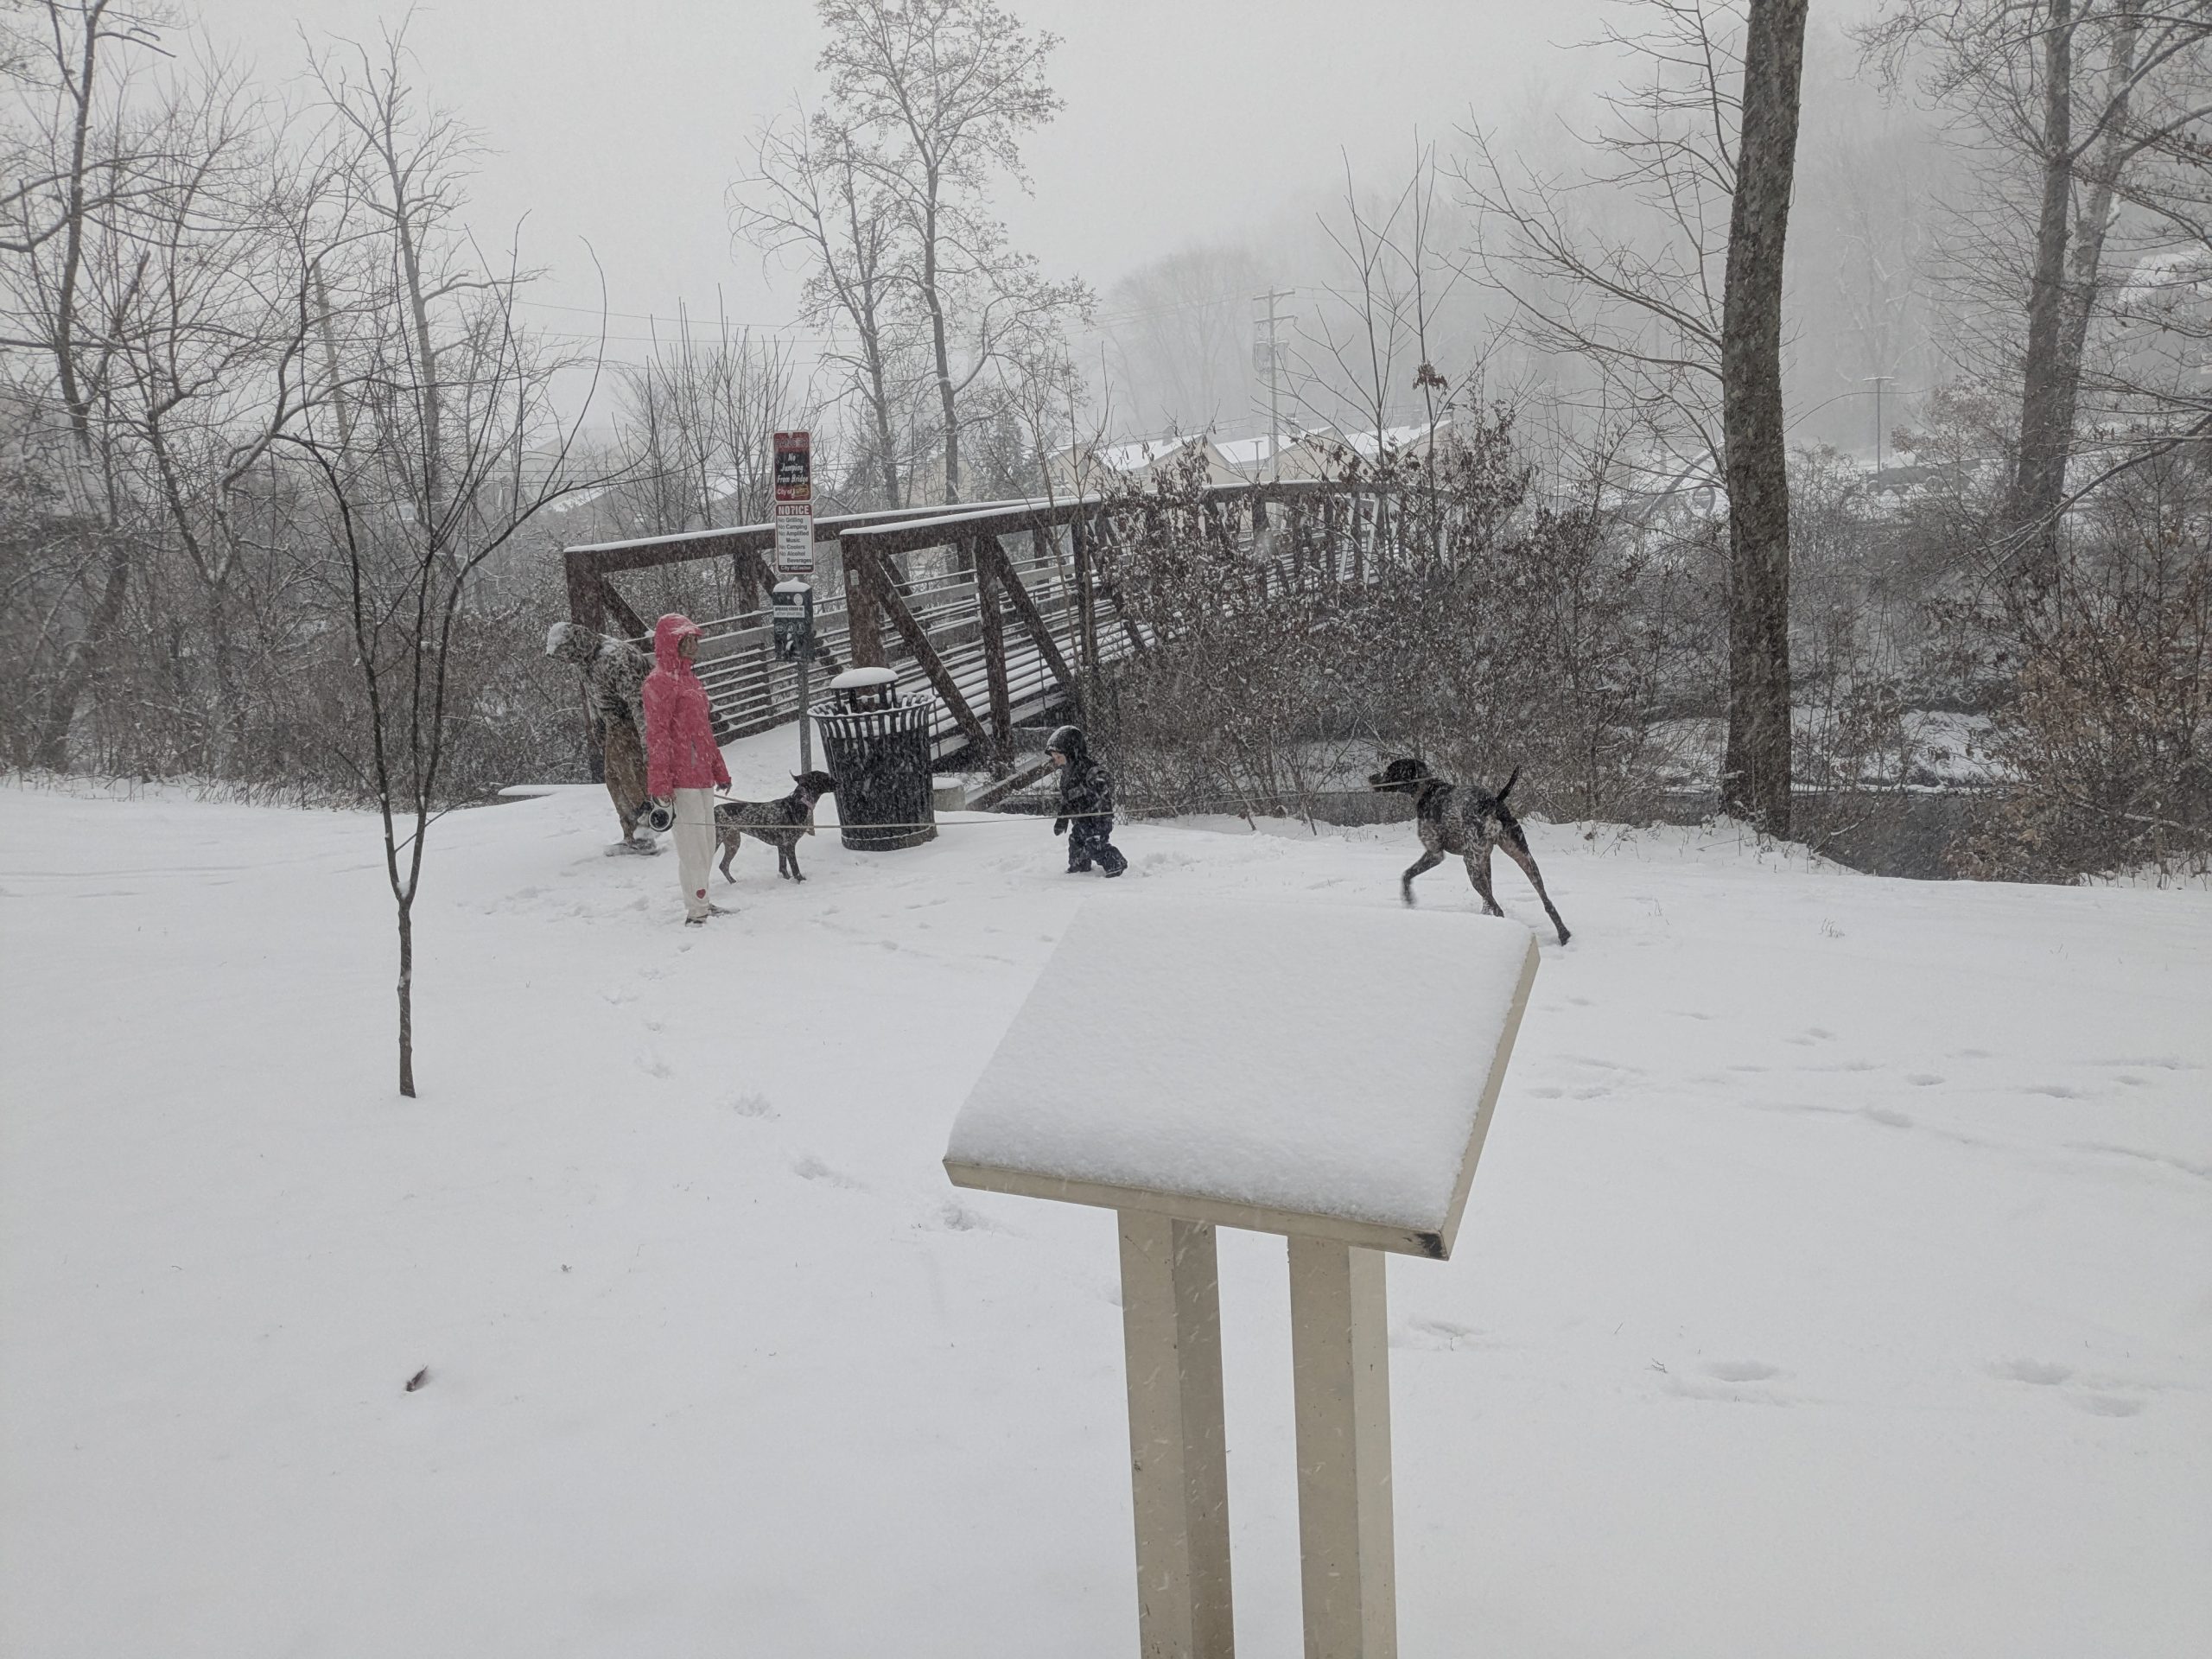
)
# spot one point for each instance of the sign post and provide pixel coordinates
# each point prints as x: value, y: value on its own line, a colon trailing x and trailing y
x: 794, y: 508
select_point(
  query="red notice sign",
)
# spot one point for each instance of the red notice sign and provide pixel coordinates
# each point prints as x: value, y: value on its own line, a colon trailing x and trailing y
x: 794, y: 475
x: 794, y: 467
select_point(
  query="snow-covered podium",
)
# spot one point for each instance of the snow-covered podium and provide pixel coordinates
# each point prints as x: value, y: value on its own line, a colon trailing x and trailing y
x: 1326, y: 1073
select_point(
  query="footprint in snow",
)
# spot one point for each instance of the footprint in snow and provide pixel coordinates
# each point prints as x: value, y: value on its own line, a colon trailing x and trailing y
x: 2105, y: 1405
x: 1436, y: 1335
x: 1922, y: 1079
x: 751, y: 1105
x: 1886, y: 1118
x: 808, y: 1167
x: 1741, y: 1370
x: 655, y: 1065
x: 2042, y: 1373
x: 953, y: 1217
x: 2056, y: 1090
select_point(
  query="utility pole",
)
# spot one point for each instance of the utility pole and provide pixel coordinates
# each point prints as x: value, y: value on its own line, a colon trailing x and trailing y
x: 1268, y: 356
x: 1879, y: 382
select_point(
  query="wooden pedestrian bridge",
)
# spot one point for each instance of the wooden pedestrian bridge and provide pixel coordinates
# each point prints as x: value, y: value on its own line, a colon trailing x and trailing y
x: 998, y: 607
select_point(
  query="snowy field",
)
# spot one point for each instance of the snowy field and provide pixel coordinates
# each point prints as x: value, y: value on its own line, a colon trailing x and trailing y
x: 1837, y: 1278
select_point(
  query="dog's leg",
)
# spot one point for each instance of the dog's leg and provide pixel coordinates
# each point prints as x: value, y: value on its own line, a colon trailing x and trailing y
x: 1478, y: 872
x: 729, y: 851
x: 1517, y: 849
x: 784, y: 862
x: 1429, y: 860
x: 791, y: 853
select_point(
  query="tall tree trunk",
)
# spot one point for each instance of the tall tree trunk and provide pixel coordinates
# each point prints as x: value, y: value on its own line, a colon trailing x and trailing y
x: 2046, y: 412
x: 83, y: 659
x: 407, y: 999
x: 880, y: 406
x: 942, y: 349
x: 1755, y: 782
x: 2052, y: 379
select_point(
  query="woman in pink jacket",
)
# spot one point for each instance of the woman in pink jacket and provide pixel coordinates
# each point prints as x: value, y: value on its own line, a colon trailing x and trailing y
x: 682, y: 764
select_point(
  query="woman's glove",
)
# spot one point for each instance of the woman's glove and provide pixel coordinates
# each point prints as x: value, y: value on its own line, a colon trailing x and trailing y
x: 1060, y: 826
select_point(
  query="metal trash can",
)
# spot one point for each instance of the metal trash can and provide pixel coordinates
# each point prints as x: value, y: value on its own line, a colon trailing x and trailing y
x: 877, y: 744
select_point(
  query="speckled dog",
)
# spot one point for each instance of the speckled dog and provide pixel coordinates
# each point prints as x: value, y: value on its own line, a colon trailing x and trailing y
x: 779, y: 824
x: 1462, y: 822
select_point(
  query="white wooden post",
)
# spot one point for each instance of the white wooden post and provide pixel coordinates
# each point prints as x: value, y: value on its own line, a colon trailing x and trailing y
x: 1239, y: 1004
x: 1179, y: 1466
x: 1340, y: 1364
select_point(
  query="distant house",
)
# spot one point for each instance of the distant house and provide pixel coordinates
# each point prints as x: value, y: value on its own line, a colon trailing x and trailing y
x: 1089, y: 467
x: 1342, y: 454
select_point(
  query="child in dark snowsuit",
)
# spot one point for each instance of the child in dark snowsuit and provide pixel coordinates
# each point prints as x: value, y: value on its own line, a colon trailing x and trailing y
x: 1086, y: 804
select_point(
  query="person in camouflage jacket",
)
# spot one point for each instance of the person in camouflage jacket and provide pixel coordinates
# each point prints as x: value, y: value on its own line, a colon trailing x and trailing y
x: 1086, y: 804
x: 614, y: 672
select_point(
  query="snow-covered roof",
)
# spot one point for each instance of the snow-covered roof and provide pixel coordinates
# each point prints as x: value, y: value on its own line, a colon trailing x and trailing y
x: 1394, y: 437
x: 1244, y: 453
x: 2161, y: 278
x: 1144, y: 451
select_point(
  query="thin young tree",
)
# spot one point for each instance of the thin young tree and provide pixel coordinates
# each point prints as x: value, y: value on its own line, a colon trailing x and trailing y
x: 419, y: 486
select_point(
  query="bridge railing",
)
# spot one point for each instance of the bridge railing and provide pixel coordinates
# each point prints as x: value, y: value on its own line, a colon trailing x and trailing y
x: 1001, y: 637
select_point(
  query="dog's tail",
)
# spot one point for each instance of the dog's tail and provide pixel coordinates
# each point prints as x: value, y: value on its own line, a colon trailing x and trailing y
x: 1507, y: 790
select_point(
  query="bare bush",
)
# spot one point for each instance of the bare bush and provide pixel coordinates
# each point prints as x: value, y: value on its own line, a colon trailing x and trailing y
x: 1494, y: 626
x: 2101, y: 715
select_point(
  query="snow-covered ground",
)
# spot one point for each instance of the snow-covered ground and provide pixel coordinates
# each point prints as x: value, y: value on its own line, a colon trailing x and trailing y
x: 1838, y: 1279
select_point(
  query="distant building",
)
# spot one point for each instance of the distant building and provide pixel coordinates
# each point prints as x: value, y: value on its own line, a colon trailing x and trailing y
x: 1089, y: 467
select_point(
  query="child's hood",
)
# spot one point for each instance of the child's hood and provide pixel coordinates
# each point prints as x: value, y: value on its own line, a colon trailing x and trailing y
x: 669, y: 635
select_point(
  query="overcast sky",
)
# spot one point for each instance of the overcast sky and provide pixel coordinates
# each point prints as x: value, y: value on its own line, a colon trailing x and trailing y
x: 623, y: 122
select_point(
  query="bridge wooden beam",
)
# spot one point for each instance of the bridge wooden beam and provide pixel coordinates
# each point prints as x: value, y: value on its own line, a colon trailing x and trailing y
x: 586, y: 608
x: 990, y: 560
x: 1086, y: 600
x: 864, y: 626
x: 916, y: 641
x: 629, y: 619
x: 1033, y: 619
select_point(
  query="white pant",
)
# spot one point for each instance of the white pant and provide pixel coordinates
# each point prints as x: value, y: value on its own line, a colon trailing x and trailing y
x: 693, y: 835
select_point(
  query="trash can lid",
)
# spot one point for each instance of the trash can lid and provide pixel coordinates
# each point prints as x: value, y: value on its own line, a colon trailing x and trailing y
x: 858, y: 679
x: 793, y: 586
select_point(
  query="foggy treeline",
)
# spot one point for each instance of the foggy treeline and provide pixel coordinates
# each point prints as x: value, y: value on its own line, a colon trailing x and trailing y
x: 281, y: 432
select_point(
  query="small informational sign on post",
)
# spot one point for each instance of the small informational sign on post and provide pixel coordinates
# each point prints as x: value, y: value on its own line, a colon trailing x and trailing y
x: 794, y: 476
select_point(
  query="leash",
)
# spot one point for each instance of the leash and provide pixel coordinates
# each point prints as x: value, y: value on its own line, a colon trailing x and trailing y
x: 1023, y: 820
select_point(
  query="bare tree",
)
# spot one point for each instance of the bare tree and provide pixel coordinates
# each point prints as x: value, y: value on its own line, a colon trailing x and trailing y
x: 76, y: 155
x: 1178, y: 348
x: 1680, y: 321
x: 696, y: 419
x: 2071, y: 103
x: 1371, y: 348
x: 209, y: 308
x: 932, y: 98
x: 446, y: 388
x: 809, y: 196
x: 1614, y: 268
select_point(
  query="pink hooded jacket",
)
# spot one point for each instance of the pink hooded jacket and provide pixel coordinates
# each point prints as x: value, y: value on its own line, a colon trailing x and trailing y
x: 680, y: 751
